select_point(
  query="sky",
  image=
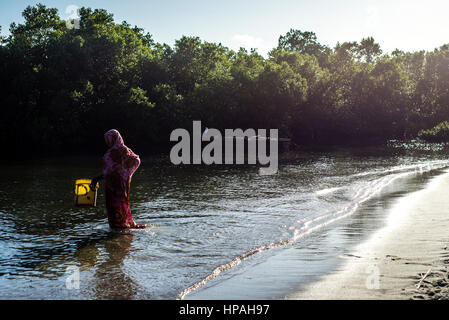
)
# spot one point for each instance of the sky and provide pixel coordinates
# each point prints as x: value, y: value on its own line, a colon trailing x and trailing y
x: 408, y: 25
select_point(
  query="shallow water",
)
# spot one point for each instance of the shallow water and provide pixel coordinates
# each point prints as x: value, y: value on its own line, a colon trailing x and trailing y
x: 205, y: 223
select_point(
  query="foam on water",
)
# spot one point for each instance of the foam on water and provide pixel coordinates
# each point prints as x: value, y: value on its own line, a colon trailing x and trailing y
x: 327, y: 191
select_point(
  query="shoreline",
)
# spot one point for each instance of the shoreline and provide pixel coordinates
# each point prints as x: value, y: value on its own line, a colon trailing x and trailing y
x: 411, y: 251
x: 391, y: 243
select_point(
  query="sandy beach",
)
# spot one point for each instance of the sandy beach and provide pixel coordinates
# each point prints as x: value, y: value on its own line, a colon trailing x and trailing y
x: 403, y: 255
x: 407, y: 259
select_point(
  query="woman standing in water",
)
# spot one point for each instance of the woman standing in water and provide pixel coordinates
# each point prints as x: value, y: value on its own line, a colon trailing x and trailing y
x: 120, y: 163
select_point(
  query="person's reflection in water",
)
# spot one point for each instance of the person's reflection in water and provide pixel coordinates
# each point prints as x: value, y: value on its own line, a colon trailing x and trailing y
x: 111, y: 282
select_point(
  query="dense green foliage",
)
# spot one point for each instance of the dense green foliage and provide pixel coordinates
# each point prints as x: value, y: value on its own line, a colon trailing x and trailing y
x: 62, y: 88
x: 439, y: 133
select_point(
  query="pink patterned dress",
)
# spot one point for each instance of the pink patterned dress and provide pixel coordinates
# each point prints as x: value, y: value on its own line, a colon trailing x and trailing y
x: 120, y: 163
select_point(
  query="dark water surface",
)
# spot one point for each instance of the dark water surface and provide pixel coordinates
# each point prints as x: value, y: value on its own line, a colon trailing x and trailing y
x: 206, y: 224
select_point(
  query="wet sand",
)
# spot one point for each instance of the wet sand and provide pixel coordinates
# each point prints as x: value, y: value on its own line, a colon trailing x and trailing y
x: 407, y: 259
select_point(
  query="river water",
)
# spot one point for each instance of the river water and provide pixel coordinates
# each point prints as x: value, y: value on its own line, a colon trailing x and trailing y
x: 204, y: 222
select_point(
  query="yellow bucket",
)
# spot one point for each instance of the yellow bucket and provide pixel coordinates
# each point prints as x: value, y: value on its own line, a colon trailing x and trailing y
x: 84, y: 195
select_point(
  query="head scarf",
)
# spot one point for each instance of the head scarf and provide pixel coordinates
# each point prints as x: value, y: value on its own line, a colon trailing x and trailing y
x: 119, y: 159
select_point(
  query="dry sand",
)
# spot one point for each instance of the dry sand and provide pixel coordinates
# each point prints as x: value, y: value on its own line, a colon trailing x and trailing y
x: 393, y: 262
